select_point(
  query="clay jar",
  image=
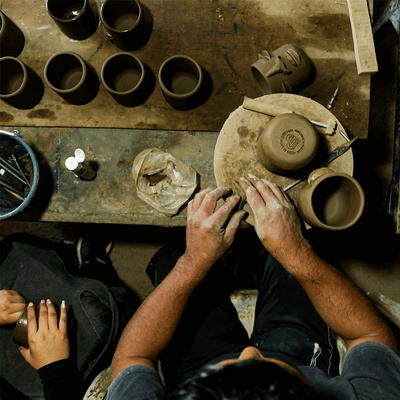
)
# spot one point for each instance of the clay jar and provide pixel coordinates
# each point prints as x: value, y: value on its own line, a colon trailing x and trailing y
x: 180, y: 78
x: 75, y: 18
x: 20, y: 86
x: 283, y: 70
x: 331, y: 200
x: 20, y: 335
x: 11, y: 37
x: 289, y: 142
x: 70, y: 77
x: 124, y: 23
x: 123, y: 75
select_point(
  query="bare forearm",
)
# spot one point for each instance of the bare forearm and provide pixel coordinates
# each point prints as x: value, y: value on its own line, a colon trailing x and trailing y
x: 339, y: 302
x: 154, y: 323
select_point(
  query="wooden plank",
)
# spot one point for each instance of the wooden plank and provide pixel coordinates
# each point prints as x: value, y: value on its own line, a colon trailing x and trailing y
x: 364, y: 47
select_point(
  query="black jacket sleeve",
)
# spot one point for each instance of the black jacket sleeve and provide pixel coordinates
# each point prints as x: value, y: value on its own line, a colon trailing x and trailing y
x: 59, y: 380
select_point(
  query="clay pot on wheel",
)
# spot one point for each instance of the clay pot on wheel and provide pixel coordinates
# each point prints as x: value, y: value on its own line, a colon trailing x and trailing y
x: 289, y: 142
x: 331, y: 200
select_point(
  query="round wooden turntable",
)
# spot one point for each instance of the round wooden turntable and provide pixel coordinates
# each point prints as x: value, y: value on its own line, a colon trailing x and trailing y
x: 235, y: 152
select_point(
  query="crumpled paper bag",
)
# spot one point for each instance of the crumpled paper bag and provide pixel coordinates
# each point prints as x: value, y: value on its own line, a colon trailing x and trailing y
x: 163, y: 181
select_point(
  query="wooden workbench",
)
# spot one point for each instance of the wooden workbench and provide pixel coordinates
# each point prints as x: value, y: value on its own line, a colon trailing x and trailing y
x: 225, y: 37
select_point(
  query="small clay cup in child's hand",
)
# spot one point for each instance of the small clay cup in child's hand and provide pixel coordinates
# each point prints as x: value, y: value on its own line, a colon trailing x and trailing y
x: 20, y: 336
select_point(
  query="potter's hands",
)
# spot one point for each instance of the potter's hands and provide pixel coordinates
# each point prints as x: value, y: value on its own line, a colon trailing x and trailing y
x: 48, y: 342
x: 211, y: 232
x: 275, y: 218
x: 11, y: 306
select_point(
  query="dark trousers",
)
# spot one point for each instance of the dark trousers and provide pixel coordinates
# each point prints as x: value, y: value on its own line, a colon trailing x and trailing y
x: 286, y: 326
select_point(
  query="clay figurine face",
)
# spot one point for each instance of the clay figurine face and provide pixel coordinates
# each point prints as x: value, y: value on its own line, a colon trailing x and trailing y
x: 282, y: 70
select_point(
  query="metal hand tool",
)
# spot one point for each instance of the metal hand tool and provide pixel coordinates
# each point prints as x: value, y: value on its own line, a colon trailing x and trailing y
x: 332, y: 156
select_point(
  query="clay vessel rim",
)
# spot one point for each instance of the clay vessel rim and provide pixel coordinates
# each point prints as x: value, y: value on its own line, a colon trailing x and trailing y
x: 183, y: 95
x: 85, y: 4
x: 83, y: 77
x: 130, y: 90
x: 23, y: 84
x: 103, y: 20
x: 2, y: 22
x: 360, y: 212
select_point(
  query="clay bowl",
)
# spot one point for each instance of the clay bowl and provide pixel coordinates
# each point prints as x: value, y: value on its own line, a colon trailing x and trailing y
x: 288, y: 143
x: 20, y: 336
x: 180, y: 78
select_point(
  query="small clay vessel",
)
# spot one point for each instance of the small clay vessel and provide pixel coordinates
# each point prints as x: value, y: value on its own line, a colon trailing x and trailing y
x: 123, y: 76
x: 75, y: 18
x: 20, y: 335
x: 331, y: 200
x: 12, y: 39
x: 288, y: 143
x: 180, y: 78
x: 283, y: 70
x: 124, y: 23
x: 68, y: 75
x: 20, y: 86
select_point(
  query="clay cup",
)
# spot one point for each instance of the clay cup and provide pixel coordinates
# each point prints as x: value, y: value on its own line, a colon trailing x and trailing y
x: 283, y: 70
x: 20, y: 86
x: 288, y: 143
x: 123, y: 76
x: 331, y: 200
x: 68, y: 75
x: 75, y: 18
x: 124, y: 23
x: 11, y: 37
x: 20, y: 335
x: 180, y: 78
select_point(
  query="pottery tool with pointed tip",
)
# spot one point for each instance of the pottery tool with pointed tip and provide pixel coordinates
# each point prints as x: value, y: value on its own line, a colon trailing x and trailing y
x: 332, y: 156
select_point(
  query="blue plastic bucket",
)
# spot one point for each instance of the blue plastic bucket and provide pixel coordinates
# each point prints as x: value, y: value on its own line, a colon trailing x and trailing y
x: 12, y: 143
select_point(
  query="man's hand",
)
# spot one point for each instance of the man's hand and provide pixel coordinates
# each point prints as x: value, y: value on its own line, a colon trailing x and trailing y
x: 275, y: 218
x: 211, y: 232
x: 49, y: 342
x: 11, y: 306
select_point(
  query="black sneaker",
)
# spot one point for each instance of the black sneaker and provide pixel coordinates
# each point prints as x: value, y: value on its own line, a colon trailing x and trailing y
x: 90, y: 251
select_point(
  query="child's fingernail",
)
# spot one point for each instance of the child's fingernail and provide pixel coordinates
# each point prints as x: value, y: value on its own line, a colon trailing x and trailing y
x: 63, y: 305
x: 252, y: 176
x: 30, y: 304
x: 48, y: 301
x: 42, y: 301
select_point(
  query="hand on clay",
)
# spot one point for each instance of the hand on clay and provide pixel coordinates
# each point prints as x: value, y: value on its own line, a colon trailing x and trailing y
x: 48, y: 342
x: 275, y: 218
x: 210, y: 232
x: 11, y: 306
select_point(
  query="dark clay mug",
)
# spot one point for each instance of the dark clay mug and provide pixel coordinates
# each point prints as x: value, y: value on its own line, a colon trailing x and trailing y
x: 11, y: 37
x: 68, y: 75
x: 331, y: 200
x: 124, y: 23
x: 20, y: 86
x: 75, y: 18
x: 181, y: 78
x: 123, y: 75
